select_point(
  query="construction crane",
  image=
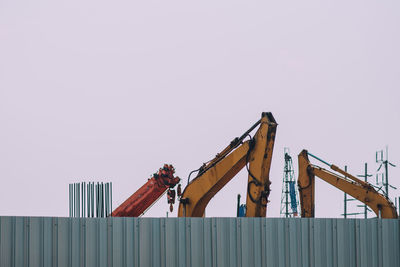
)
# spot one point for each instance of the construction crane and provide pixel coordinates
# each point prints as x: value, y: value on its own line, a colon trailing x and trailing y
x: 161, y: 182
x: 289, y: 194
x: 255, y: 154
x: 349, y: 184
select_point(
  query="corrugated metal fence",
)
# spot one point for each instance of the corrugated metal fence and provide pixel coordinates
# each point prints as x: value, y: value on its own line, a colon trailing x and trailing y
x: 39, y: 241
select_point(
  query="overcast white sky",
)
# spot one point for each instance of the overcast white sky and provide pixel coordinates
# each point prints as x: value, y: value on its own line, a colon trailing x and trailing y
x: 111, y: 90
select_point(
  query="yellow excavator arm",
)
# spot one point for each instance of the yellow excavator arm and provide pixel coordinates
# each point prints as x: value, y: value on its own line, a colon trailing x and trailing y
x: 257, y: 152
x: 349, y: 184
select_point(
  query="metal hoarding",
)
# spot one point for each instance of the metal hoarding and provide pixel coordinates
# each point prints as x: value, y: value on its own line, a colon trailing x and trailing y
x: 46, y: 241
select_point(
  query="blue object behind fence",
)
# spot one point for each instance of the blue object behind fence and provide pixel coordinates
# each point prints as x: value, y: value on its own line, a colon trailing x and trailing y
x: 293, y: 201
x: 242, y: 210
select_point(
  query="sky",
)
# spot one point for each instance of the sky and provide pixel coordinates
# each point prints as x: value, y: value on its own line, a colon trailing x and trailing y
x: 111, y: 90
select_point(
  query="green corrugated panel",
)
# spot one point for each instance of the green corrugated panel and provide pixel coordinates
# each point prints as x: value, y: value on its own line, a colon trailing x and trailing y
x: 36, y: 241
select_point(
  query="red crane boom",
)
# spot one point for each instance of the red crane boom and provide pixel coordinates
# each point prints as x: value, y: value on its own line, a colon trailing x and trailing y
x: 149, y: 193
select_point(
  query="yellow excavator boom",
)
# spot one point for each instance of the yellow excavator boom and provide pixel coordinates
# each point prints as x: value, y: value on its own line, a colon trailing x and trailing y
x: 349, y: 184
x: 257, y: 152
